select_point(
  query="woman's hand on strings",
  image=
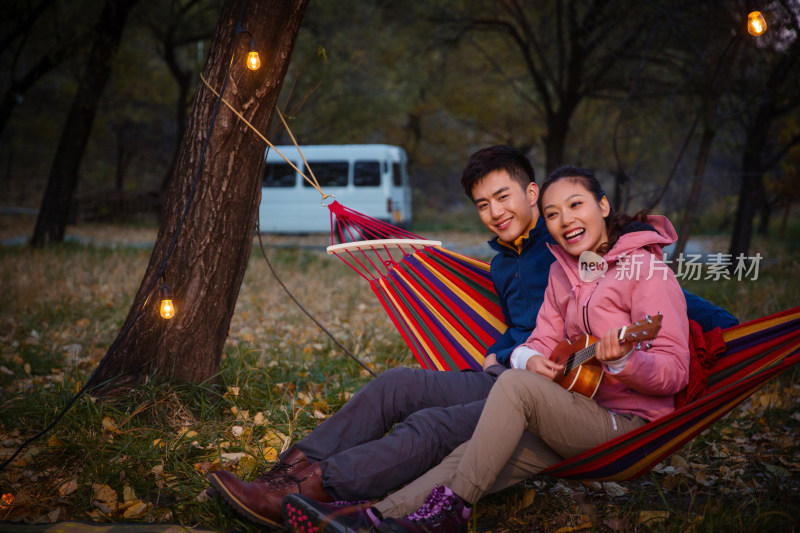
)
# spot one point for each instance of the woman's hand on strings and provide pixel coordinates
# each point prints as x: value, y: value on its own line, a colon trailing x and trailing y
x: 543, y: 366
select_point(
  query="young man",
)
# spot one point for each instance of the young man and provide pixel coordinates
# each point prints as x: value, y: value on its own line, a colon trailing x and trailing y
x: 430, y: 413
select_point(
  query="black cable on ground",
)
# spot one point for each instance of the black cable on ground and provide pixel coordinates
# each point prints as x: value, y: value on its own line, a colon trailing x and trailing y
x: 303, y: 309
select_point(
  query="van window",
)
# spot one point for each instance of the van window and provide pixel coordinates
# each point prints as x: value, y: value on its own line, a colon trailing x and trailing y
x: 279, y: 175
x: 367, y: 174
x: 330, y: 174
x: 396, y: 174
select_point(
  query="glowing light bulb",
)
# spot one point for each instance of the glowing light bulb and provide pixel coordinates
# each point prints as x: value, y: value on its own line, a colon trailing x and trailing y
x: 167, y: 308
x: 756, y: 25
x: 253, y: 61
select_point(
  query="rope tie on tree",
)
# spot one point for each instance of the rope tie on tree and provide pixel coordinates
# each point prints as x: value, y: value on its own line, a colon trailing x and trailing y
x: 313, y: 179
x: 314, y: 183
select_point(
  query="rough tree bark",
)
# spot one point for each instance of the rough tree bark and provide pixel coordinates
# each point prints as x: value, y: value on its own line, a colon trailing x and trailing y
x: 206, y: 268
x: 54, y: 211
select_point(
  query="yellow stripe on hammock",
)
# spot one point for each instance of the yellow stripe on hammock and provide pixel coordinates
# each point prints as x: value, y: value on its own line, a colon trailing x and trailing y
x: 421, y: 338
x: 741, y: 331
x: 669, y: 447
x: 705, y: 422
x: 463, y: 341
x: 483, y: 265
x: 499, y: 325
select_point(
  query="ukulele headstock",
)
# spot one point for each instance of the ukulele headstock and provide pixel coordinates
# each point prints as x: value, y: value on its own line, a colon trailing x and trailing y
x: 642, y: 330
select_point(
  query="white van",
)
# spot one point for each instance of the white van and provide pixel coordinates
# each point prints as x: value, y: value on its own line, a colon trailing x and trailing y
x: 368, y: 178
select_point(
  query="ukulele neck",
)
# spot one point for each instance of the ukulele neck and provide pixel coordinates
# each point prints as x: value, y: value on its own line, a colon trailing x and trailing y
x: 579, y: 357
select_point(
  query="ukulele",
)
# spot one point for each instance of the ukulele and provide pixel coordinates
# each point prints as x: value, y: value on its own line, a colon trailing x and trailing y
x: 582, y: 372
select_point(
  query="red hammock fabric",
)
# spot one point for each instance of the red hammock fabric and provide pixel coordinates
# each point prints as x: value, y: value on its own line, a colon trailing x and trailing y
x: 445, y: 308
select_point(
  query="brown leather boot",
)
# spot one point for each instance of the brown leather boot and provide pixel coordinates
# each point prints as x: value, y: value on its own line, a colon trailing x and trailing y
x: 260, y: 501
x: 294, y: 462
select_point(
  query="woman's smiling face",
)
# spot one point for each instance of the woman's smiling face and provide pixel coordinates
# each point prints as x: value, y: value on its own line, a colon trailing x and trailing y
x: 574, y: 218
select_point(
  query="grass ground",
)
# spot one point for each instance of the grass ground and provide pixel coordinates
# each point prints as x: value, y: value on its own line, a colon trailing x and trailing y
x: 145, y: 457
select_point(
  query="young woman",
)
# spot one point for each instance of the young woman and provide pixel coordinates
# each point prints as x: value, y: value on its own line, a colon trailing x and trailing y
x: 530, y: 422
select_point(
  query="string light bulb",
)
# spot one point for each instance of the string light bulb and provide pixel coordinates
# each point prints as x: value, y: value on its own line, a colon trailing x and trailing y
x: 253, y: 60
x: 167, y: 308
x: 756, y: 25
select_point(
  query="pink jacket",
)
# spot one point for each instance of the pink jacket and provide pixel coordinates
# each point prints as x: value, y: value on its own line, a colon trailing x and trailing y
x: 647, y: 384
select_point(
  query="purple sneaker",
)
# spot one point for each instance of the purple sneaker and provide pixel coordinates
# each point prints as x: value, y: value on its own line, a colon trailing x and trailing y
x: 301, y: 513
x: 442, y: 512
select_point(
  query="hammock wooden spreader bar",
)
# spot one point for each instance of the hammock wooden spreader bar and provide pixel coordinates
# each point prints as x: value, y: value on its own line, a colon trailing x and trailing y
x: 444, y: 306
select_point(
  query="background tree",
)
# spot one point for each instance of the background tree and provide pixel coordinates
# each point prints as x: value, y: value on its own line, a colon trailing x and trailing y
x: 176, y: 26
x: 54, y: 211
x: 440, y: 79
x: 769, y: 77
x: 707, y: 85
x: 208, y: 260
x: 31, y: 46
x: 567, y: 51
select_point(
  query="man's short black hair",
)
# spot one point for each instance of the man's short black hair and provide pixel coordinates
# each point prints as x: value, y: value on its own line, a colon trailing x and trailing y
x: 494, y: 158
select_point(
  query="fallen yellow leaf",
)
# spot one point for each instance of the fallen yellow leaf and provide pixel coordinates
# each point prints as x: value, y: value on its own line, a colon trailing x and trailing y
x: 679, y: 462
x: 568, y: 529
x: 68, y: 487
x: 652, y: 517
x: 104, y: 494
x: 270, y: 454
x: 185, y: 432
x: 128, y: 493
x: 110, y: 425
x: 528, y: 497
x: 247, y: 464
x: 137, y: 510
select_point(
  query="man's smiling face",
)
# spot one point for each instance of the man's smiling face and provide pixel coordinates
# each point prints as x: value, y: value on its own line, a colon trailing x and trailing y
x: 504, y: 206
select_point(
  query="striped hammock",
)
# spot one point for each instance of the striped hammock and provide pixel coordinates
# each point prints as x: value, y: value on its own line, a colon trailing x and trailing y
x: 444, y: 306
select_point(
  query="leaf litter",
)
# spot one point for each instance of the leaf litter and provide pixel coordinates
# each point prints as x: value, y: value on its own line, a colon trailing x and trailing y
x: 747, y: 453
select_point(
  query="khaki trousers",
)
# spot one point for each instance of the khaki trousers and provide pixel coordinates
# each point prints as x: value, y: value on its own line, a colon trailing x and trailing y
x: 528, y: 424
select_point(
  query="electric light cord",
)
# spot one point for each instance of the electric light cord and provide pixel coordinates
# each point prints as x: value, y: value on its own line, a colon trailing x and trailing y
x: 159, y: 273
x: 303, y: 309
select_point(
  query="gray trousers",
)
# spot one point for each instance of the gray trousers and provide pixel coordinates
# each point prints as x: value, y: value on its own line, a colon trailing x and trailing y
x: 528, y: 424
x: 429, y: 413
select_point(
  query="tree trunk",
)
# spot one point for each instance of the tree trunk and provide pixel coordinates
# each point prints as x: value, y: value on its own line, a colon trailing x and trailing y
x: 182, y: 79
x: 555, y: 140
x: 54, y: 211
x: 697, y: 187
x: 751, y: 193
x: 785, y: 219
x: 209, y: 259
x: 765, y: 214
x: 18, y: 87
